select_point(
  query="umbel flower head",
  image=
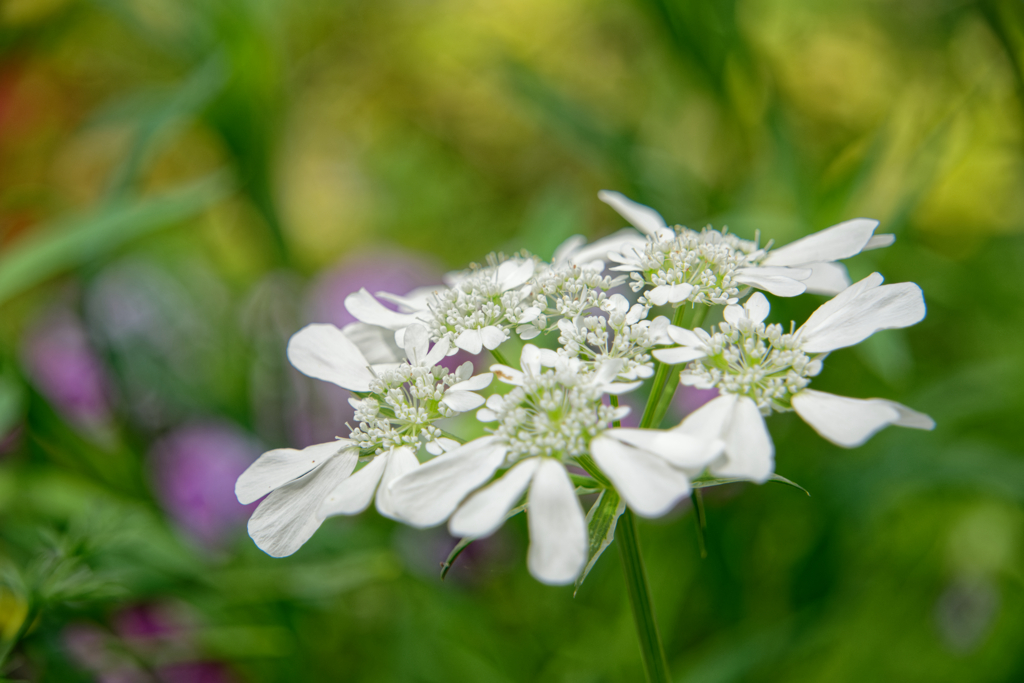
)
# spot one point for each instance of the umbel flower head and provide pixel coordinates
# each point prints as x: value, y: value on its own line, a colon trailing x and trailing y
x: 547, y: 421
x: 397, y: 408
x: 758, y: 369
x: 556, y: 414
x: 682, y: 265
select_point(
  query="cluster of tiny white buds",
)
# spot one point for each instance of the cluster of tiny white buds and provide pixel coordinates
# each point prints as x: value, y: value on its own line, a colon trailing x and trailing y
x: 755, y: 360
x: 554, y: 413
x: 496, y: 296
x: 403, y: 404
x: 705, y: 261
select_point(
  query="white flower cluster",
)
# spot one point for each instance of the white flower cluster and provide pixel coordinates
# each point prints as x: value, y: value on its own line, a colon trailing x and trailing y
x: 560, y: 415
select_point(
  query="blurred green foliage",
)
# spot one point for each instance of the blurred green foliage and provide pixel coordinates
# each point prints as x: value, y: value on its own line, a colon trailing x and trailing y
x: 189, y: 170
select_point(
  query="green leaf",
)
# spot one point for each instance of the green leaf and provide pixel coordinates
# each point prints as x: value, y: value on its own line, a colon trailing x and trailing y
x: 706, y: 482
x: 72, y: 242
x: 464, y: 543
x: 583, y: 481
x: 601, y: 521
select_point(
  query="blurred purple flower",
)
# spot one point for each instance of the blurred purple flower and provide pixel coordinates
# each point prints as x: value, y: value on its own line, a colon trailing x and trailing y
x: 196, y: 672
x: 688, y: 399
x: 145, y: 621
x: 195, y: 468
x: 147, y: 633
x: 388, y: 271
x: 65, y: 369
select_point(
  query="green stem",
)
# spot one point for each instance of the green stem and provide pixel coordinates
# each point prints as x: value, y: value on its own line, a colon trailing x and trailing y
x: 451, y: 436
x: 500, y: 358
x: 661, y: 376
x: 701, y: 520
x: 651, y: 650
x: 614, y: 400
x: 666, y: 379
x: 673, y: 375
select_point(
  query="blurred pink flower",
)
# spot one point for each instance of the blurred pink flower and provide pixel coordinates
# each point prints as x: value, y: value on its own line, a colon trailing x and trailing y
x: 64, y: 368
x: 194, y: 469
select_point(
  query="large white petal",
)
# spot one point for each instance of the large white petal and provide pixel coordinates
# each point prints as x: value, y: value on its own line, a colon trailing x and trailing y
x: 492, y: 337
x: 484, y: 511
x: 648, y: 484
x: 471, y: 341
x: 429, y: 494
x: 681, y: 335
x: 278, y: 467
x: 757, y: 307
x: 679, y: 292
x: 658, y: 295
x: 353, y: 495
x: 749, y: 452
x: 831, y: 244
x: 377, y: 344
x: 827, y: 278
x: 461, y: 401
x: 860, y: 311
x: 416, y: 343
x: 686, y: 451
x: 365, y: 308
x: 678, y: 355
x: 402, y: 460
x: 324, y: 352
x: 415, y: 301
x: 710, y: 420
x: 508, y: 375
x: 513, y: 273
x: 558, y: 527
x: 437, y: 353
x: 910, y: 417
x: 600, y: 250
x: 643, y: 218
x: 879, y: 242
x: 288, y: 516
x: 849, y: 422
x: 530, y: 360
x: 773, y: 280
x: 473, y: 383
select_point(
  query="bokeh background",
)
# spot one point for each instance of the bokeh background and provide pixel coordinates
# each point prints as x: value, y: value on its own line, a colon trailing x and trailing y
x: 183, y: 184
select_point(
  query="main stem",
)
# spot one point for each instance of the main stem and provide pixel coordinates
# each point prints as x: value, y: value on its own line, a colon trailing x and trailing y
x: 662, y: 374
x: 651, y: 649
x: 666, y: 379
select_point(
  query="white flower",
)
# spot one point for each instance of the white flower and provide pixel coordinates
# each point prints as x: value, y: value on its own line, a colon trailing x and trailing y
x: 322, y: 351
x: 408, y: 398
x: 711, y: 266
x: 548, y: 418
x: 297, y: 481
x: 474, y: 312
x: 652, y: 469
x: 576, y: 252
x: 306, y: 486
x: 625, y: 335
x: 759, y: 370
x: 353, y: 495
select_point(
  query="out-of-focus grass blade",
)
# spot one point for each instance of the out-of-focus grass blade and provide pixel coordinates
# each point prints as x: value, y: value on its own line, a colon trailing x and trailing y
x: 159, y: 114
x: 72, y: 242
x: 12, y: 399
x: 601, y: 520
